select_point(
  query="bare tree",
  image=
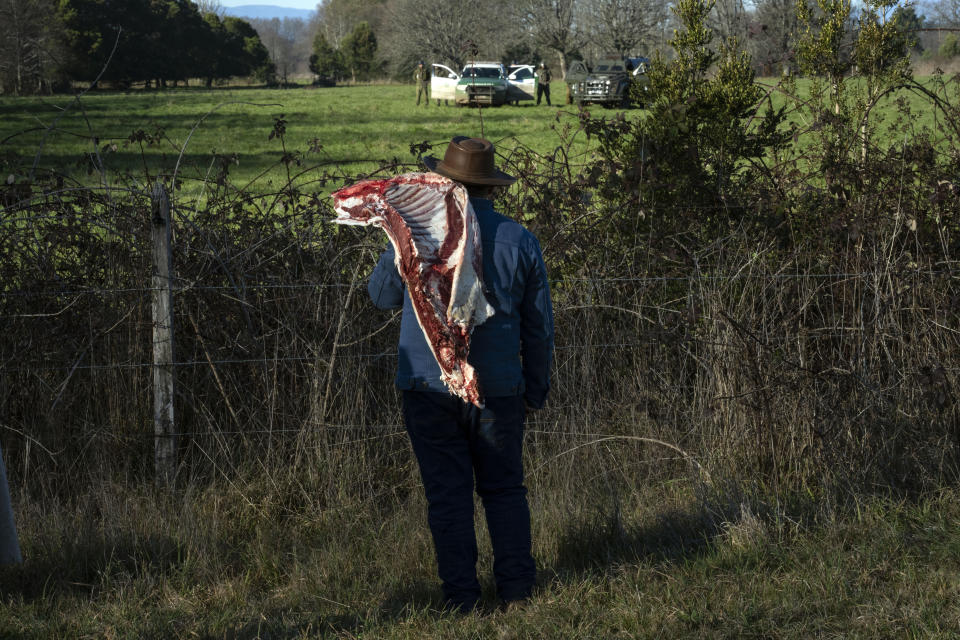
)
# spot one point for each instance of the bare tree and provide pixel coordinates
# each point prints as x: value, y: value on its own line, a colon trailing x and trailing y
x: 288, y: 41
x: 448, y: 31
x: 944, y: 13
x: 623, y: 27
x: 336, y: 19
x: 30, y: 46
x: 556, y: 25
x: 729, y: 19
x: 771, y: 35
x: 210, y: 6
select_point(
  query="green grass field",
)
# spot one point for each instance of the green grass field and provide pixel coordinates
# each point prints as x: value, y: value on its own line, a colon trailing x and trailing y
x: 348, y: 129
x: 341, y: 130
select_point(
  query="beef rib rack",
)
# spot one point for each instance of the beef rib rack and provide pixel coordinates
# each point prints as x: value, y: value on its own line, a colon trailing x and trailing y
x: 436, y: 242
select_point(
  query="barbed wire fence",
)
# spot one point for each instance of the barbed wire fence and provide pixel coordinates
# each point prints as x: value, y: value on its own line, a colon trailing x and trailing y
x: 276, y: 351
x: 729, y: 357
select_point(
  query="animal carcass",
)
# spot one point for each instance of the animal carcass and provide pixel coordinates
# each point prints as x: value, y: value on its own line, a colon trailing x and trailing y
x: 434, y: 232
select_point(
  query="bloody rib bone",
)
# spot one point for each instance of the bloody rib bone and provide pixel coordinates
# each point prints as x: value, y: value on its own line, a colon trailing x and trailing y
x: 436, y: 242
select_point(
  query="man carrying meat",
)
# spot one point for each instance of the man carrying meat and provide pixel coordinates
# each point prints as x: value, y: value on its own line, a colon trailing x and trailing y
x: 459, y: 446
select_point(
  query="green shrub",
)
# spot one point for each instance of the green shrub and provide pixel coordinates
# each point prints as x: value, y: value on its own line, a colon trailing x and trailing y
x: 950, y: 48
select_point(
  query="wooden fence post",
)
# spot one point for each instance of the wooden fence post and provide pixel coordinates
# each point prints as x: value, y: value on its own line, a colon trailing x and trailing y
x: 164, y: 427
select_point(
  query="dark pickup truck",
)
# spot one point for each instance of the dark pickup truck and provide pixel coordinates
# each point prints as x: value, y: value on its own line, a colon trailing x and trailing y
x: 609, y: 82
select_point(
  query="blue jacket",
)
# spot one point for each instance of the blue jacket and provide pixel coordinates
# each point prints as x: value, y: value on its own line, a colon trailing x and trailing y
x: 513, y: 349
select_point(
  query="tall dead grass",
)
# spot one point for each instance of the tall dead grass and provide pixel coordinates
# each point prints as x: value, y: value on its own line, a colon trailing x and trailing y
x: 750, y: 363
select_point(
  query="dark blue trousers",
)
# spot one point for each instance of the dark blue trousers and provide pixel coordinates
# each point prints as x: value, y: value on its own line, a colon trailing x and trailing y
x: 455, y: 443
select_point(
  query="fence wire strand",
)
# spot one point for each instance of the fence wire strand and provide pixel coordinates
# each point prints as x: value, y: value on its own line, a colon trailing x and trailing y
x: 693, y: 277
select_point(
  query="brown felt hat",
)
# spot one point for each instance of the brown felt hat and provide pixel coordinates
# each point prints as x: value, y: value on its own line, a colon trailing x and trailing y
x: 470, y: 161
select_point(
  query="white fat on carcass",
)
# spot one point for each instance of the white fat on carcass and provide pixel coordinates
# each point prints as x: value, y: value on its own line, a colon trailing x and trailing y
x: 424, y: 209
x: 431, y: 208
x: 345, y: 217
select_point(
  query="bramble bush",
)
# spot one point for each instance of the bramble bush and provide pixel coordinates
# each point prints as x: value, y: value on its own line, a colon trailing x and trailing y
x: 800, y: 239
x: 769, y: 289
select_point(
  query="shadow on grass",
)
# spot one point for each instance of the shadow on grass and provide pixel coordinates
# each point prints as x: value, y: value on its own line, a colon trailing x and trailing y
x: 87, y: 563
x: 606, y: 541
x: 416, y: 598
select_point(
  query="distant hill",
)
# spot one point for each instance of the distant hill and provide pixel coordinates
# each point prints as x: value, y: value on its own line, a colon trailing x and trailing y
x: 267, y: 11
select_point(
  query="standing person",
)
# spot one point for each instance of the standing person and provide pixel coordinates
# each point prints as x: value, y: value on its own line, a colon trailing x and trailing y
x: 543, y: 83
x: 421, y: 76
x: 457, y: 445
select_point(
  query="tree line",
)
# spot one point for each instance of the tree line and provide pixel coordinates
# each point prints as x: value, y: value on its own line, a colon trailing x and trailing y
x: 399, y: 33
x: 45, y: 44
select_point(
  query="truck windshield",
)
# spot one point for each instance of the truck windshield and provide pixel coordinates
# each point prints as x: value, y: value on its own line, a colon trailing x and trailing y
x: 481, y: 72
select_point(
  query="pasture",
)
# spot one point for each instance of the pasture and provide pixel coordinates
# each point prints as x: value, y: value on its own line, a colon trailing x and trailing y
x: 749, y: 439
x: 340, y: 131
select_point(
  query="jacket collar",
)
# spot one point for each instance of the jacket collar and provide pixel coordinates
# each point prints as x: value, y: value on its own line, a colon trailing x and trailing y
x: 481, y: 204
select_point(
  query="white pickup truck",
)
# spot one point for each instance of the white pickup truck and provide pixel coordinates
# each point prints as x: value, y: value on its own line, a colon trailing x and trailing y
x: 486, y: 83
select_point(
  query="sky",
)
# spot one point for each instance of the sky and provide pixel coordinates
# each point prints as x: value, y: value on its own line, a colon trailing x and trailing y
x: 293, y: 4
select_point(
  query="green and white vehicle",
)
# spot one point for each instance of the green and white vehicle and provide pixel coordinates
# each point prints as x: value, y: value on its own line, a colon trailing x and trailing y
x: 483, y: 83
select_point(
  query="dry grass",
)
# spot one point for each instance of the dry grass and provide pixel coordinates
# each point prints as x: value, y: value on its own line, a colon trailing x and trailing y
x: 654, y: 562
x: 950, y: 66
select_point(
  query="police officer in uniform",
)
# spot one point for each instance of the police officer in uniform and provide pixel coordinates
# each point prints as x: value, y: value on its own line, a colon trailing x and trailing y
x: 421, y: 76
x: 543, y: 83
